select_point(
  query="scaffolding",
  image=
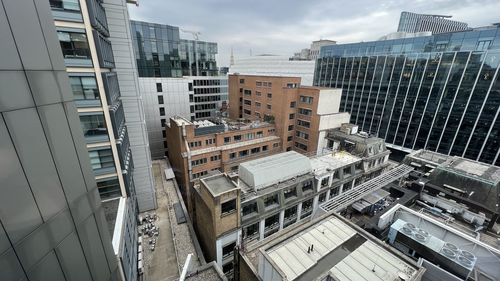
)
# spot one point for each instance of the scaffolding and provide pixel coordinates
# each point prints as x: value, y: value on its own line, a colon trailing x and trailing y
x: 340, y: 202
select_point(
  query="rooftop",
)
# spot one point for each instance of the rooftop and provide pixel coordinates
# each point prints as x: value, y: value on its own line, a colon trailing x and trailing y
x: 340, y: 251
x: 429, y: 156
x: 474, y: 169
x: 322, y: 165
x: 218, y: 184
x: 273, y: 169
x: 360, y: 137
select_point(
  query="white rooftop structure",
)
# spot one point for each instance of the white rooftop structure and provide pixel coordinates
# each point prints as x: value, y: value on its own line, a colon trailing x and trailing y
x: 324, y: 164
x: 263, y: 172
x: 338, y: 251
x: 271, y: 65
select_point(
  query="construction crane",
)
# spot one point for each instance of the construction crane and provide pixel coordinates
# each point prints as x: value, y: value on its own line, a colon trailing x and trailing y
x: 195, y: 36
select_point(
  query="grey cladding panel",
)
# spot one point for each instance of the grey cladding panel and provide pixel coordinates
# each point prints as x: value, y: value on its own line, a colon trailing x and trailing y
x: 10, y: 268
x: 9, y: 58
x: 44, y: 87
x: 92, y: 247
x: 33, y: 151
x: 17, y: 222
x: 4, y: 241
x: 28, y: 35
x: 72, y: 259
x: 15, y: 91
x: 47, y: 269
x: 61, y: 144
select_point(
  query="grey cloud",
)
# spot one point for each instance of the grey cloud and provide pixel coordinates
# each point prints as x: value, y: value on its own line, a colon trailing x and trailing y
x: 285, y: 26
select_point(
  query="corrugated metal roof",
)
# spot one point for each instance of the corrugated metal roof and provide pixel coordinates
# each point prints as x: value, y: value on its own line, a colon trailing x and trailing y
x: 368, y: 261
x: 270, y: 170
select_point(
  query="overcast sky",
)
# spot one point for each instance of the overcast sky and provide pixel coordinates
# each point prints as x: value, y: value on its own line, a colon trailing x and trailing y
x: 283, y: 27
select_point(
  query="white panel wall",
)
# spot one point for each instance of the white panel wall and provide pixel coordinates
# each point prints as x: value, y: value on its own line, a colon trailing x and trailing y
x: 329, y: 101
x: 333, y: 120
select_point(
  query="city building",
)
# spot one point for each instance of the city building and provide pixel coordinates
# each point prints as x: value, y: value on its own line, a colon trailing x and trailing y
x: 190, y: 97
x: 302, y: 114
x: 268, y: 195
x: 132, y: 100
x: 313, y: 52
x: 413, y: 22
x: 271, y: 65
x: 327, y: 248
x: 160, y: 52
x: 432, y: 92
x: 464, y: 181
x: 447, y: 250
x: 52, y: 225
x: 199, y: 147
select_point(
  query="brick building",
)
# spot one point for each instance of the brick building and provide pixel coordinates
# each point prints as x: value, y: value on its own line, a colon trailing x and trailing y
x: 302, y: 115
x: 199, y: 147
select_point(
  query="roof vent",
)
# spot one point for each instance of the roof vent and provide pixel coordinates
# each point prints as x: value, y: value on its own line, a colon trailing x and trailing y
x: 465, y: 261
x: 449, y: 253
x: 451, y: 247
x: 468, y: 255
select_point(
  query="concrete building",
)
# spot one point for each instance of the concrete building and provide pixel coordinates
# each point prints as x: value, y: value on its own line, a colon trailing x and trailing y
x: 313, y: 52
x: 445, y: 250
x: 51, y: 217
x: 430, y: 92
x: 271, y: 65
x: 302, y: 115
x: 328, y: 248
x: 195, y: 149
x: 413, y: 22
x: 268, y: 195
x: 193, y: 98
x: 468, y: 182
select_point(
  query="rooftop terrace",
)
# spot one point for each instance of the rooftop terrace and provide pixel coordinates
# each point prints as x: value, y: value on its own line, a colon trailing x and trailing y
x: 324, y: 164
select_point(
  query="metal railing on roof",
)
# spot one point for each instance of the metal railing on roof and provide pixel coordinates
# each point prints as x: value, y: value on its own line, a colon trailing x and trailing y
x: 345, y: 199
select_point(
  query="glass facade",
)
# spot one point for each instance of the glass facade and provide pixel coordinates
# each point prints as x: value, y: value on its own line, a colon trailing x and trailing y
x: 160, y: 52
x: 439, y: 92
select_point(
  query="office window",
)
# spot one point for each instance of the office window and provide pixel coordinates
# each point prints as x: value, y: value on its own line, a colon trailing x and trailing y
x: 264, y: 148
x: 159, y: 88
x: 257, y: 93
x: 227, y: 250
x: 271, y: 200
x: 303, y: 123
x: 84, y: 88
x: 74, y: 45
x: 260, y: 134
x: 100, y: 159
x: 227, y: 139
x: 306, y: 99
x: 255, y: 150
x: 292, y: 192
x: 289, y: 138
x: 243, y: 153
x: 164, y: 133
x: 257, y: 104
x: 300, y: 145
x: 247, y: 102
x: 302, y: 135
x: 293, y: 104
x: 322, y: 197
x: 215, y: 158
x: 94, y: 126
x: 251, y: 230
x: 291, y: 116
x: 249, y: 209
x: 162, y: 111
x: 290, y: 127
x: 269, y: 95
x: 198, y: 162
x: 258, y: 84
x: 160, y: 99
x: 276, y: 144
x: 247, y: 92
x: 109, y: 188
x: 269, y: 106
x: 237, y: 138
x: 269, y: 84
x: 242, y: 81
x: 232, y: 155
x: 334, y: 191
x: 71, y: 5
x: 307, y: 186
x: 246, y: 111
x: 228, y: 207
x: 305, y: 111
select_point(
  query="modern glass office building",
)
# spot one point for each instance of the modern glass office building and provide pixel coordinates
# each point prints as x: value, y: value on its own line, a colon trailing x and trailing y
x: 439, y: 92
x: 413, y: 22
x: 160, y: 52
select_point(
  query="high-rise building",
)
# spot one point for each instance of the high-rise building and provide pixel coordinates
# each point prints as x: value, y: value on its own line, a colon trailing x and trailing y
x: 438, y: 92
x: 160, y: 52
x: 189, y: 97
x: 52, y: 222
x: 412, y: 23
x: 312, y: 53
x: 302, y: 115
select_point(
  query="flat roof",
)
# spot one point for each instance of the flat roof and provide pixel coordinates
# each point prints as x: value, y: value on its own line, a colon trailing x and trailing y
x: 339, y: 251
x: 332, y: 161
x: 431, y: 156
x: 474, y: 169
x: 218, y: 184
x: 356, y: 138
x: 273, y: 169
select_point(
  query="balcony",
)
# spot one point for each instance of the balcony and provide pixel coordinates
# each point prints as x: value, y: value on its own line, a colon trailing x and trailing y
x: 104, y: 50
x: 117, y: 117
x: 111, y: 87
x: 97, y: 16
